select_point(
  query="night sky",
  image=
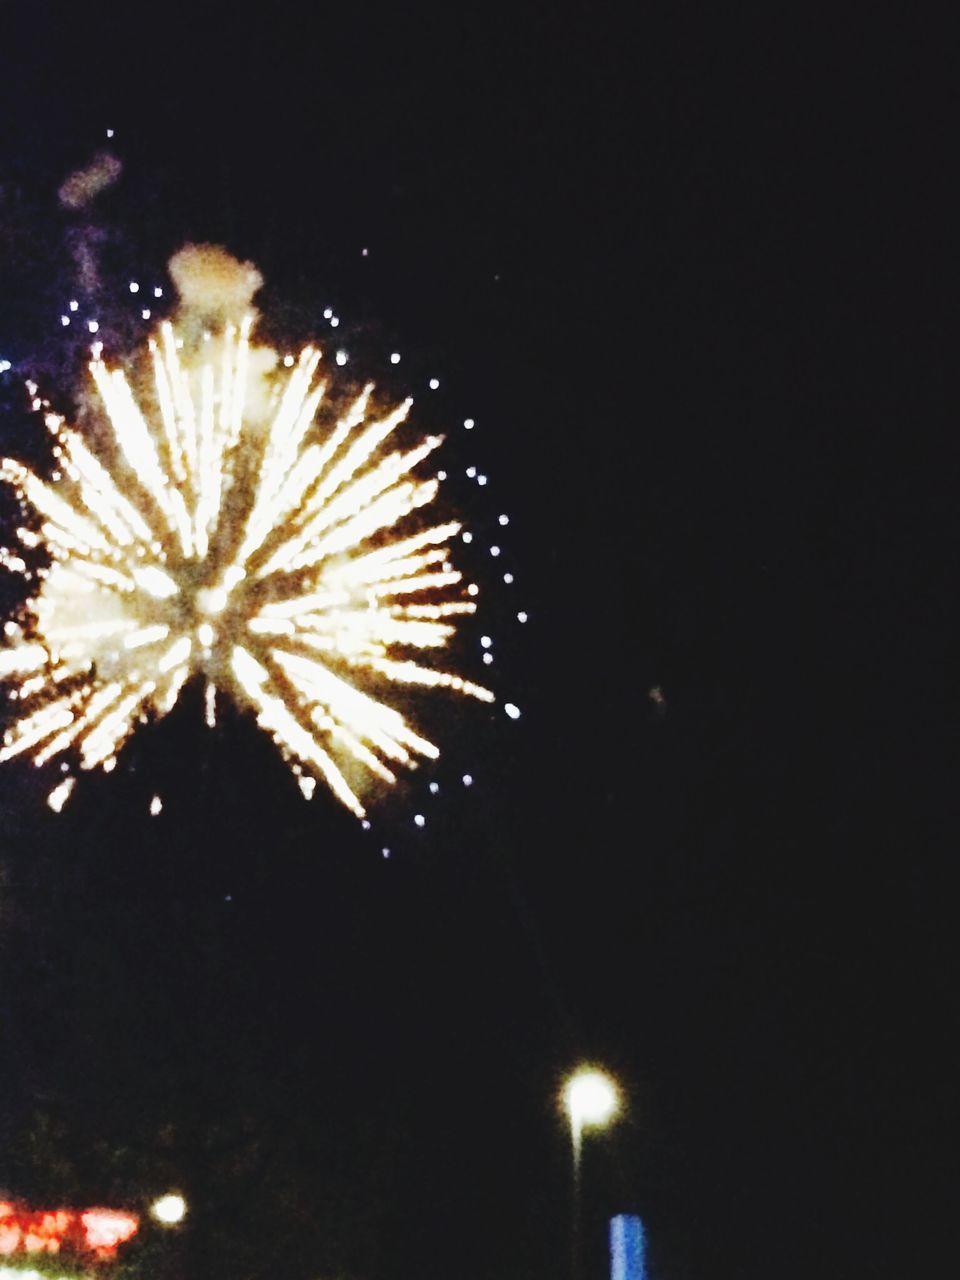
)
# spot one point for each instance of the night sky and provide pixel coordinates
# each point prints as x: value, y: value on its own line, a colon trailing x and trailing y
x: 687, y: 273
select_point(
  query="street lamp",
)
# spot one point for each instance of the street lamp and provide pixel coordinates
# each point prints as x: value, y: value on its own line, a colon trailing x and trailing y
x: 590, y: 1099
x: 169, y: 1210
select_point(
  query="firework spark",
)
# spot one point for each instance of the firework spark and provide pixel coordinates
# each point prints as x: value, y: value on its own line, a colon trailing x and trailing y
x: 241, y: 521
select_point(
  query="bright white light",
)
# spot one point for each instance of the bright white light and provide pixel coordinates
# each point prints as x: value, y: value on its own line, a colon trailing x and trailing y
x: 334, y: 322
x: 481, y: 480
x: 471, y: 472
x: 206, y: 634
x: 288, y: 362
x: 74, y: 305
x: 327, y: 312
x: 64, y: 320
x: 469, y: 423
x: 503, y: 520
x: 486, y: 642
x: 466, y: 536
x: 60, y: 794
x: 434, y: 788
x: 512, y: 710
x: 494, y: 551
x: 5, y: 365
x: 134, y: 287
x: 156, y: 806
x: 169, y: 1209
x: 93, y: 325
x: 395, y: 357
x: 522, y: 616
x: 434, y: 383
x: 145, y: 313
x: 508, y: 578
x: 109, y: 133
x: 341, y: 357
x: 155, y: 582
x: 590, y: 1098
x: 468, y: 779
x: 488, y: 658
x: 419, y: 819
x: 158, y: 293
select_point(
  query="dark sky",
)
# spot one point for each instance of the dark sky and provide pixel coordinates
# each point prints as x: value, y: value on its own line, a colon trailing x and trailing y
x: 688, y: 273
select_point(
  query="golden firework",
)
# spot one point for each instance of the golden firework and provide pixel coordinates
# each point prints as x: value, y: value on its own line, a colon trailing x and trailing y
x: 242, y: 521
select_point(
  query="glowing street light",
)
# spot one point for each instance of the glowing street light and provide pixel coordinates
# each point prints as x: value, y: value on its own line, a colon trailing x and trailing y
x: 169, y: 1210
x: 590, y: 1099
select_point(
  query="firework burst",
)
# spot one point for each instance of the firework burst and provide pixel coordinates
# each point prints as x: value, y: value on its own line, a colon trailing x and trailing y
x: 241, y: 520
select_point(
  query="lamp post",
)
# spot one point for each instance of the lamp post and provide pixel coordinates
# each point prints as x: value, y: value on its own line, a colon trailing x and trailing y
x: 590, y: 1099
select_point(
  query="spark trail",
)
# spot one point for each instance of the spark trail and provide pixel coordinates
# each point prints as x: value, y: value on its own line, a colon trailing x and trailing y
x: 244, y: 523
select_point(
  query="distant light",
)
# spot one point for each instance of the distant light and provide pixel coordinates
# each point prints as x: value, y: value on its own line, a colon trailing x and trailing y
x: 466, y: 536
x: 385, y: 852
x: 145, y: 313
x: 341, y: 357
x: 488, y: 658
x: 287, y: 361
x: 109, y: 133
x: 486, y: 642
x: 64, y: 320
x: 334, y: 321
x: 420, y: 820
x: 394, y: 357
x: 5, y: 365
x: 508, y: 578
x: 512, y: 710
x: 156, y: 806
x: 434, y: 788
x: 327, y: 312
x: 503, y: 520
x: 93, y: 325
x: 590, y: 1098
x: 158, y: 292
x: 441, y: 475
x: 522, y: 616
x: 468, y: 779
x: 365, y: 253
x: 481, y: 480
x: 471, y: 472
x: 365, y: 823
x: 434, y: 383
x: 169, y: 1209
x: 469, y: 423
x: 473, y: 589
x: 206, y: 634
x: 134, y: 287
x: 494, y: 551
x: 74, y: 306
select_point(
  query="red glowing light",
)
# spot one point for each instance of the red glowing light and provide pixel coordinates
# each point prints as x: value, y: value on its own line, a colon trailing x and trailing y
x: 96, y: 1231
x: 106, y: 1228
